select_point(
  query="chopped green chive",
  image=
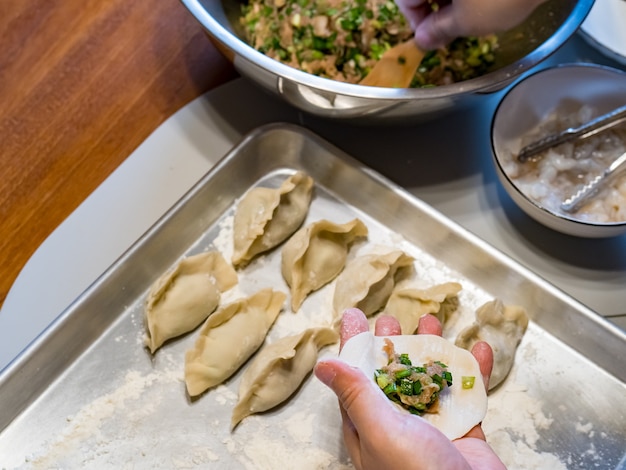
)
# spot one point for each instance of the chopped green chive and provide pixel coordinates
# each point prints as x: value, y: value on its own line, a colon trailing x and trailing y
x: 298, y: 32
x: 412, y: 387
x: 467, y: 382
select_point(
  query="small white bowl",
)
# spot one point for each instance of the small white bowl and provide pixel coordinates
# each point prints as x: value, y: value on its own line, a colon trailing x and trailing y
x: 604, y: 29
x: 527, y: 105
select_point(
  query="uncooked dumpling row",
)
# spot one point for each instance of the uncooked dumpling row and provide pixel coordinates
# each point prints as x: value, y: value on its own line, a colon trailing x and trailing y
x: 265, y: 217
x: 278, y: 369
x: 185, y: 296
x: 368, y: 280
x: 316, y: 254
x: 232, y: 336
x: 502, y: 326
x: 460, y: 408
x: 229, y: 337
x: 409, y: 304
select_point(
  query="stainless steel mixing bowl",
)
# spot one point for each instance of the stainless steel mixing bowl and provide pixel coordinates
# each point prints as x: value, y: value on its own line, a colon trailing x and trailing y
x: 520, y: 49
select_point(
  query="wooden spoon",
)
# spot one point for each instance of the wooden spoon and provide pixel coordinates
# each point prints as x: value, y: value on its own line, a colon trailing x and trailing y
x: 396, y: 67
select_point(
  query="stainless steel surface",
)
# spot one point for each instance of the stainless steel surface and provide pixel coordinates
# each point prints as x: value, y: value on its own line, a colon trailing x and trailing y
x: 88, y: 394
x: 544, y: 32
x: 595, y: 185
x: 589, y: 129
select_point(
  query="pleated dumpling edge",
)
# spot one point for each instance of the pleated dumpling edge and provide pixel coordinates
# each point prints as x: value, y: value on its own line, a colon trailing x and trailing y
x: 265, y: 217
x: 229, y: 337
x: 316, y: 254
x: 278, y: 370
x: 185, y: 296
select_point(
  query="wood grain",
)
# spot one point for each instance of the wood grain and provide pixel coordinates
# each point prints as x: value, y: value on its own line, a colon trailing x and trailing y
x: 82, y: 84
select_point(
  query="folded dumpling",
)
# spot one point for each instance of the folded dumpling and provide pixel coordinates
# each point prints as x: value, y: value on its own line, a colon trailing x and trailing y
x: 265, y: 217
x: 460, y: 407
x: 316, y: 254
x: 367, y: 281
x: 278, y: 369
x: 185, y: 296
x: 502, y: 326
x: 409, y: 304
x: 229, y: 337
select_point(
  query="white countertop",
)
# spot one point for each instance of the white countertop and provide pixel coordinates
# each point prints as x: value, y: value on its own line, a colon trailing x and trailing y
x: 455, y: 175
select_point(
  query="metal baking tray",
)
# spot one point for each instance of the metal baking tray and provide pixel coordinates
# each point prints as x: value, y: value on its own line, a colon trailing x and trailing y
x: 87, y: 393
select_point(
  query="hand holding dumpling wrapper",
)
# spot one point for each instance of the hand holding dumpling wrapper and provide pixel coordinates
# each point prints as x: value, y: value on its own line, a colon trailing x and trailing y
x: 376, y: 433
x: 459, y: 409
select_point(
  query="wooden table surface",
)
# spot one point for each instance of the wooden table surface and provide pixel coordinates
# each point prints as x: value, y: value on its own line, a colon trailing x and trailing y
x: 82, y: 84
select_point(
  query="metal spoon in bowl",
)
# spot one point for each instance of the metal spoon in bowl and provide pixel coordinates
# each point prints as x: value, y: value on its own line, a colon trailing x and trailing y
x: 396, y: 68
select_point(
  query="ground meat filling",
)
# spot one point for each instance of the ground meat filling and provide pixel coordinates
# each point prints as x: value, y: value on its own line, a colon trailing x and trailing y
x: 415, y: 388
x: 343, y: 39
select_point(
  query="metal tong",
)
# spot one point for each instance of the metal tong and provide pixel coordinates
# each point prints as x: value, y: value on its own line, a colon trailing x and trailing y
x: 593, y: 127
x: 589, y: 190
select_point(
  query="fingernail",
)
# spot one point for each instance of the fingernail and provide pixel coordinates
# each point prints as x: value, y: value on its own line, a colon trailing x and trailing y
x: 325, y: 372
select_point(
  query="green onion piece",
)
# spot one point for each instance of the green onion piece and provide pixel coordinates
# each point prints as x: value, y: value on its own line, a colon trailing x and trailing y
x: 468, y: 382
x: 401, y: 374
x: 406, y: 387
x: 382, y: 379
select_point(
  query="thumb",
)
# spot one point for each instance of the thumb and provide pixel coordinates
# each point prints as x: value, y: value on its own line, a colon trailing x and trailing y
x: 364, y: 403
x: 373, y: 423
x: 361, y: 412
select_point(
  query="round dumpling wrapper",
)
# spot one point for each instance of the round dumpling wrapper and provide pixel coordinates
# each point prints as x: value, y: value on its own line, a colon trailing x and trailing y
x: 459, y: 409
